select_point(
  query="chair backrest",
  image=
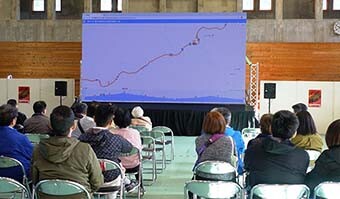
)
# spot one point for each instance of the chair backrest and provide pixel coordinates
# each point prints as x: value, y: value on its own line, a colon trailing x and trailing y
x: 215, y: 170
x: 249, y: 134
x: 280, y: 191
x: 139, y: 128
x: 164, y: 129
x: 212, y: 189
x: 60, y: 188
x: 7, y: 162
x: 313, y: 156
x: 10, y: 188
x: 329, y: 190
x: 35, y: 138
x: 109, y: 165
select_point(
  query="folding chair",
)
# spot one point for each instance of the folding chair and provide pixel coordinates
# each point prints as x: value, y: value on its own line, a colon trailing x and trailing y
x: 139, y: 128
x: 160, y: 147
x: 212, y: 189
x: 7, y: 162
x: 137, y: 152
x: 10, y: 188
x: 60, y: 188
x: 313, y: 156
x: 106, y: 189
x: 171, y: 141
x: 329, y: 190
x: 249, y: 134
x: 215, y: 170
x: 280, y: 191
x: 149, y: 154
x: 35, y: 138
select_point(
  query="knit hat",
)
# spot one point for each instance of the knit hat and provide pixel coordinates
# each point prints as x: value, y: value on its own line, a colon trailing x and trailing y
x: 137, y: 112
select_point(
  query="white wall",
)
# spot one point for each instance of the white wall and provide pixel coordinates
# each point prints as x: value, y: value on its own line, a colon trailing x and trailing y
x: 289, y: 93
x: 40, y: 89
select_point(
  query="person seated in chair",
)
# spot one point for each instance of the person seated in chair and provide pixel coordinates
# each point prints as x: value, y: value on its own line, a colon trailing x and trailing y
x: 276, y: 160
x: 62, y: 157
x: 105, y: 144
x: 265, y: 126
x: 327, y: 166
x: 21, y: 116
x: 122, y: 119
x: 236, y: 135
x: 13, y: 144
x: 39, y: 122
x: 307, y: 136
x: 140, y: 120
x: 84, y: 122
x: 299, y: 107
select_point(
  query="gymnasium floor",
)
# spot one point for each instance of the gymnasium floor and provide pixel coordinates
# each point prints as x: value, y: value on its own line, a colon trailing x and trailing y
x: 170, y: 183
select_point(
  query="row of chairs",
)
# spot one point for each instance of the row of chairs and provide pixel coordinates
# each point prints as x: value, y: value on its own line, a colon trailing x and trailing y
x: 222, y: 189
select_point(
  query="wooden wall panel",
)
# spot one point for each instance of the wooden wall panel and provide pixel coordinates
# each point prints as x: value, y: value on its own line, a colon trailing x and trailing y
x: 278, y: 61
x: 41, y: 60
x: 296, y: 61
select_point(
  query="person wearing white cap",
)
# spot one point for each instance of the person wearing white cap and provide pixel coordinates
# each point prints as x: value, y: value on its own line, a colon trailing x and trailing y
x: 140, y: 120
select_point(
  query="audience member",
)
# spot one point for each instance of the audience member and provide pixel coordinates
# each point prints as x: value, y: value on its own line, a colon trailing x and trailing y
x: 39, y: 122
x: 64, y: 157
x: 213, y: 144
x: 265, y: 126
x: 236, y: 135
x: 91, y: 109
x: 107, y: 145
x: 140, y: 120
x: 84, y: 122
x: 122, y: 119
x: 21, y: 116
x: 276, y: 160
x: 327, y: 166
x: 299, y: 107
x: 13, y: 144
x: 307, y: 137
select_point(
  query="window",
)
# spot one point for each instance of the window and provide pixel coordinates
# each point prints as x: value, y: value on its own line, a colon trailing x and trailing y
x: 38, y: 6
x: 119, y: 5
x: 248, y: 4
x: 58, y: 5
x: 265, y: 4
x: 106, y: 5
x: 336, y: 4
x: 324, y: 4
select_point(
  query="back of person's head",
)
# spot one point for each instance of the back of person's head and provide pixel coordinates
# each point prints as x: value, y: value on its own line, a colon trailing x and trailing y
x: 333, y: 134
x: 137, y: 112
x: 79, y: 109
x: 122, y: 118
x: 7, y: 114
x: 225, y: 112
x: 104, y: 114
x: 284, y: 124
x: 62, y: 119
x: 12, y: 102
x: 299, y: 107
x: 213, y: 123
x: 306, y: 123
x: 91, y: 109
x: 39, y: 106
x: 266, y: 123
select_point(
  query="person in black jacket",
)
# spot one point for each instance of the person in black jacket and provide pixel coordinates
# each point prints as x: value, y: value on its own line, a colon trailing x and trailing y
x: 327, y: 166
x: 275, y: 160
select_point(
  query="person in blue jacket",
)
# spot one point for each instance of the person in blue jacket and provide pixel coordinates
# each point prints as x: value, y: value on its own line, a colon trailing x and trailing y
x: 13, y: 144
x: 236, y: 135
